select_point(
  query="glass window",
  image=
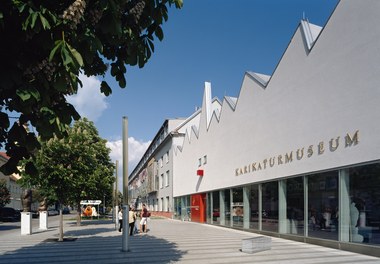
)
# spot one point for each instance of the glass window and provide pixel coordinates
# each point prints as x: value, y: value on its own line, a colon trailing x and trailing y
x: 237, y: 207
x: 215, y: 207
x: 177, y: 208
x: 295, y: 206
x: 162, y: 181
x: 186, y: 208
x: 323, y: 205
x: 204, y: 159
x: 270, y: 206
x: 208, y: 208
x: 199, y: 162
x: 157, y: 183
x: 167, y: 157
x: 227, y: 207
x: 254, y: 205
x: 167, y: 204
x: 167, y: 178
x: 364, y: 191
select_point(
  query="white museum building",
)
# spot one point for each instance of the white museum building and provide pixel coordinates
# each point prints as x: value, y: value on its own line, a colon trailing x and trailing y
x: 297, y: 154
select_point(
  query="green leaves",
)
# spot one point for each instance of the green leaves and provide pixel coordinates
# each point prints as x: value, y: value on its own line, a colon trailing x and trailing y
x: 159, y: 33
x: 73, y: 168
x: 118, y: 70
x: 4, y: 121
x: 45, y: 54
x: 178, y: 3
x: 69, y: 55
x: 36, y: 19
x: 76, y: 55
x: 105, y: 89
x: 26, y: 94
x: 5, y: 195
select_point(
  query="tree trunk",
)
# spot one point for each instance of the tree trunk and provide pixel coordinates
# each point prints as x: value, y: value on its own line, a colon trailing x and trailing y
x: 79, y: 212
x: 60, y: 224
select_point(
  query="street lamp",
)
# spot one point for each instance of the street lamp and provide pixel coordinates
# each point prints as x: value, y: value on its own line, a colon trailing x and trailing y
x: 125, y: 246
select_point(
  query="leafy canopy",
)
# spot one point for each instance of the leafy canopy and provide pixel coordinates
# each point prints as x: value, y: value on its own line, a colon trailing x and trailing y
x: 73, y: 168
x: 5, y: 196
x: 45, y: 44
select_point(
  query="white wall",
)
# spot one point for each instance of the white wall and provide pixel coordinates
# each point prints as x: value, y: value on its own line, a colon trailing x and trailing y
x: 312, y: 97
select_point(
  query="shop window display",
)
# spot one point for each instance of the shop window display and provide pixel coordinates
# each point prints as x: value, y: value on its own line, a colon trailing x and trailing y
x: 295, y: 206
x: 323, y: 205
x: 237, y: 207
x: 364, y: 192
x: 270, y: 206
x: 226, y: 202
x: 254, y: 206
x: 177, y: 208
x: 216, y: 207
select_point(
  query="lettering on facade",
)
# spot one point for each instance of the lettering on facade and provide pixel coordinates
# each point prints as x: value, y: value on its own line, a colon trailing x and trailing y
x: 290, y: 156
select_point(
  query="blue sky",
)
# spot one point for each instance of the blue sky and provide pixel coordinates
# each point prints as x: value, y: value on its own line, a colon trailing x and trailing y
x: 207, y: 40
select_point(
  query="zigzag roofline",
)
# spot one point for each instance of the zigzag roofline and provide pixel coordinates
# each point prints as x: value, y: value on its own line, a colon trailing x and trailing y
x: 310, y: 34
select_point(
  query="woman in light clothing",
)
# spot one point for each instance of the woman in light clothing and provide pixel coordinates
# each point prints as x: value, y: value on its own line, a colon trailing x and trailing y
x: 132, y: 218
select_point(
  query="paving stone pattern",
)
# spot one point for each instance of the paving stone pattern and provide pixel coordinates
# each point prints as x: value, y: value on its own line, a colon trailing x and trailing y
x: 167, y: 241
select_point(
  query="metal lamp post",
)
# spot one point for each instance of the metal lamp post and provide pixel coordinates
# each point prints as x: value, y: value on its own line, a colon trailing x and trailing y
x: 125, y: 244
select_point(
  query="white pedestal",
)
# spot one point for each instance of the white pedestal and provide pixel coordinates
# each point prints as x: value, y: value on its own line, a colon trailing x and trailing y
x: 44, y: 220
x: 26, y: 223
x: 256, y: 244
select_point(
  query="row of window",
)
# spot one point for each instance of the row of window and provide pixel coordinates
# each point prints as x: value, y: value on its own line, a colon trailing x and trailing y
x: 164, y: 180
x: 204, y: 161
x: 160, y: 205
x: 151, y: 149
x: 341, y: 205
x: 165, y: 157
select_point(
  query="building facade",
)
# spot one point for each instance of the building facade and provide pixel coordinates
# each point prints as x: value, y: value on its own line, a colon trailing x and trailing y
x: 151, y: 182
x: 296, y: 155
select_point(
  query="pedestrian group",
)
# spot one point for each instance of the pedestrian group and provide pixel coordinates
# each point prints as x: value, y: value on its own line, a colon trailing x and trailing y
x: 135, y: 226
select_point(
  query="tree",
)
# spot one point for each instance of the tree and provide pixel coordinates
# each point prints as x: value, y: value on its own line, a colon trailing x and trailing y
x: 74, y: 168
x: 46, y: 44
x: 5, y: 196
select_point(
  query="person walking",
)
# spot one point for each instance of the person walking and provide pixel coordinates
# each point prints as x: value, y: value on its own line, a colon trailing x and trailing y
x: 144, y: 220
x: 132, y: 219
x: 120, y: 219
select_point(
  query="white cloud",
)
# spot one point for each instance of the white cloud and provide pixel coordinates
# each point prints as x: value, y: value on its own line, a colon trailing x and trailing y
x: 136, y: 150
x: 89, y: 101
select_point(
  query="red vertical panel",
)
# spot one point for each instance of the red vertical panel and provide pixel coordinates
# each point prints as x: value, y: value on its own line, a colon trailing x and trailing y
x: 198, y: 208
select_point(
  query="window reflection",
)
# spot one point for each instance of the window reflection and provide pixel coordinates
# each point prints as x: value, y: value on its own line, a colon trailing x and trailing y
x: 270, y: 206
x: 295, y: 206
x: 254, y: 205
x: 216, y: 208
x: 365, y: 204
x: 237, y: 207
x: 227, y: 207
x: 323, y: 205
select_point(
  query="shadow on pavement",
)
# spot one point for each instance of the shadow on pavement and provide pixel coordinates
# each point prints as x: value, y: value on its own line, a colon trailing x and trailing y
x: 4, y: 227
x: 97, y: 249
x: 88, y: 231
x: 89, y: 222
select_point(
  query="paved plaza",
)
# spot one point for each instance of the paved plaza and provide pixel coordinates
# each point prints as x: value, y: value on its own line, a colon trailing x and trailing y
x: 168, y: 241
